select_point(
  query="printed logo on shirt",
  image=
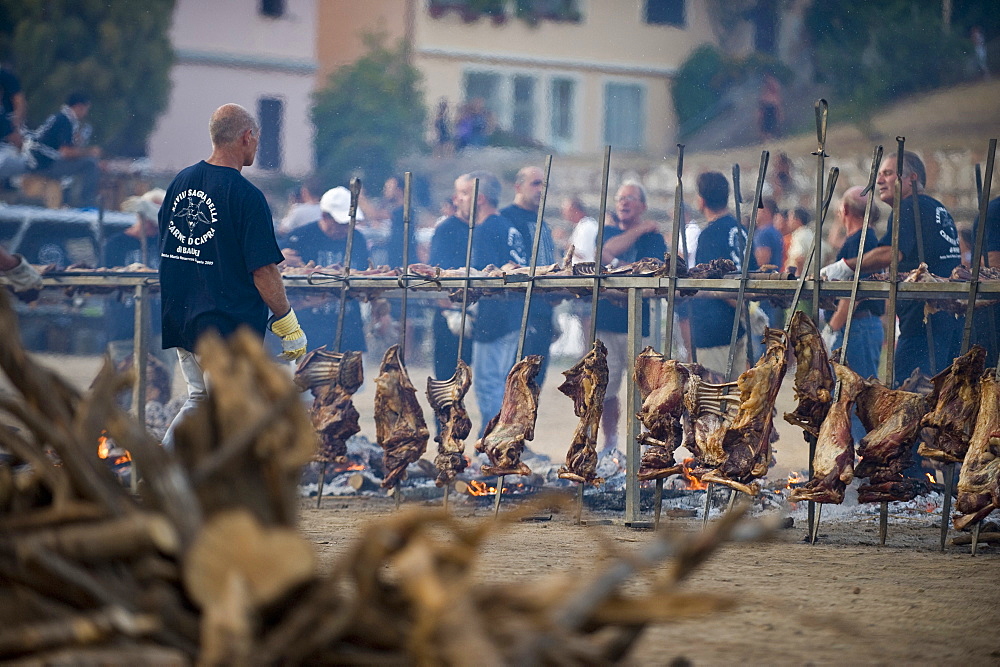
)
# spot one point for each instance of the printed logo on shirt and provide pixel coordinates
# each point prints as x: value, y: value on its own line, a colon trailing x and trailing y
x: 946, y: 228
x: 192, y: 224
x: 737, y: 239
x: 515, y: 241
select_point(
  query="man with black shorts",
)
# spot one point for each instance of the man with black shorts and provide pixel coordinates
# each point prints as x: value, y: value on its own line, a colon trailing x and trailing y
x: 218, y: 255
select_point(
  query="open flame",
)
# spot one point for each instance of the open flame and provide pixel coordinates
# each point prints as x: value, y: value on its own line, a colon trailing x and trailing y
x: 692, y: 482
x: 477, y: 488
x: 104, y: 450
x: 931, y: 478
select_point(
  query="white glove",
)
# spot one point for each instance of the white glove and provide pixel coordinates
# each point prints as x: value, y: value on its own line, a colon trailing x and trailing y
x: 23, y: 277
x: 454, y: 320
x: 839, y: 270
x: 293, y: 339
x: 829, y: 337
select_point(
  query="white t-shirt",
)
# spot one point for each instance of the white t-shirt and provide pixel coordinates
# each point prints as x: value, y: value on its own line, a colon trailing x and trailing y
x: 584, y: 240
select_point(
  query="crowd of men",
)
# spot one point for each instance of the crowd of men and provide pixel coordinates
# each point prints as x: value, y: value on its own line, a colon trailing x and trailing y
x: 213, y: 277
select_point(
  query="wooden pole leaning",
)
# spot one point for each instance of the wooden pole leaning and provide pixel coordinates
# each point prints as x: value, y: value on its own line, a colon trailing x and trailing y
x: 977, y: 255
x: 529, y: 289
x: 890, y: 352
x: 345, y: 284
x: 668, y: 338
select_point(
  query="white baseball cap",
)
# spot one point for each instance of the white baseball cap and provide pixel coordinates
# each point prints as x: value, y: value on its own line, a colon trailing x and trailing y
x: 337, y: 203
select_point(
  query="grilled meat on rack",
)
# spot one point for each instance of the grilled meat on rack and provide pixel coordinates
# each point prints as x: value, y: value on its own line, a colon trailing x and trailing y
x: 333, y: 378
x: 661, y: 384
x: 586, y: 383
x: 956, y: 404
x: 503, y: 440
x: 833, y: 461
x: 739, y: 453
x: 447, y: 400
x: 979, y: 481
x: 892, y: 419
x: 399, y: 420
x: 813, y: 378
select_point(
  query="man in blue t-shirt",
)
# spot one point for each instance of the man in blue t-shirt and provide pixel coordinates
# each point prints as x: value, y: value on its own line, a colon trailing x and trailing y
x: 449, y: 246
x: 324, y: 242
x: 218, y: 255
x: 496, y: 332
x: 528, y: 187
x: 635, y: 238
x: 712, y: 314
x: 941, y: 254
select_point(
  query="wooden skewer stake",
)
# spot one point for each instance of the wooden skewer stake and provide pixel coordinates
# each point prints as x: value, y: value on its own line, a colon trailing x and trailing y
x: 528, y: 293
x: 339, y: 335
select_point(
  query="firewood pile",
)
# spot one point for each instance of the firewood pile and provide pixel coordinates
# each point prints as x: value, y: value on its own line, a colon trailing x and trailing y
x: 205, y: 564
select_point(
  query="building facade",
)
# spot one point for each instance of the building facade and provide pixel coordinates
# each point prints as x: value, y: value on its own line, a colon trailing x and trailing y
x: 569, y: 75
x: 260, y: 54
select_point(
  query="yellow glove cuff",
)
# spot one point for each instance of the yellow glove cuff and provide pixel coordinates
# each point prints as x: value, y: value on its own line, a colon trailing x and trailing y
x: 285, y: 325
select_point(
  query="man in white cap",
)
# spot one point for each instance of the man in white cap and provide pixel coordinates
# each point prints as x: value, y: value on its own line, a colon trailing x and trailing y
x: 218, y: 255
x: 324, y: 242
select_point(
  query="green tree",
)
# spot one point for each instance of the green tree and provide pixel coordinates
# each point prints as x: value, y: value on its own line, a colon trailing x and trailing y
x: 874, y: 52
x: 370, y: 114
x: 118, y: 51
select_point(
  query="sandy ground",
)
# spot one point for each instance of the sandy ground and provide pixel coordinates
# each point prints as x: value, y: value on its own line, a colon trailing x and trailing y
x: 843, y: 600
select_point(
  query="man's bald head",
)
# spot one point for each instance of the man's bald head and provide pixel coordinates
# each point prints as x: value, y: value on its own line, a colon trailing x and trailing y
x: 855, y: 203
x: 229, y: 123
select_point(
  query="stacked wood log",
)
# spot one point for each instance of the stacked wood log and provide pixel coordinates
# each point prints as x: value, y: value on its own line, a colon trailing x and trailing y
x: 205, y: 563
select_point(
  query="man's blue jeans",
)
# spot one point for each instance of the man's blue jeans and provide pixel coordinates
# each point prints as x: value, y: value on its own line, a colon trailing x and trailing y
x: 864, y: 347
x: 491, y: 362
x: 863, y: 352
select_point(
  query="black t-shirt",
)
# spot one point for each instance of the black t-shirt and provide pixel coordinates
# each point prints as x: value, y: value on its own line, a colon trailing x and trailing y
x: 611, y: 316
x: 991, y: 242
x: 56, y: 132
x: 450, y: 243
x: 941, y: 251
x: 320, y: 323
x: 122, y: 249
x: 9, y: 87
x: 541, y: 308
x: 215, y: 231
x: 497, y: 240
x: 712, y: 319
x: 394, y: 246
x: 849, y: 251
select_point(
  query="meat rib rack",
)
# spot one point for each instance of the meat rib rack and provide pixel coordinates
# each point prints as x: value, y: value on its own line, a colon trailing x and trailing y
x: 634, y: 289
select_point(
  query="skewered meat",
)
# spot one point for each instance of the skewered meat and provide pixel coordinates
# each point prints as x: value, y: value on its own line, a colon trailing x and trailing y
x: 399, y: 420
x: 505, y: 434
x: 447, y: 399
x: 892, y: 419
x: 586, y: 383
x: 833, y: 462
x: 333, y: 378
x: 741, y: 451
x: 813, y: 378
x: 661, y: 384
x: 979, y: 481
x: 956, y: 405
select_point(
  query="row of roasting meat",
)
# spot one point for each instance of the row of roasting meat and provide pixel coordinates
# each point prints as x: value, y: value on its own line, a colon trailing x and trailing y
x: 401, y: 430
x: 728, y: 427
